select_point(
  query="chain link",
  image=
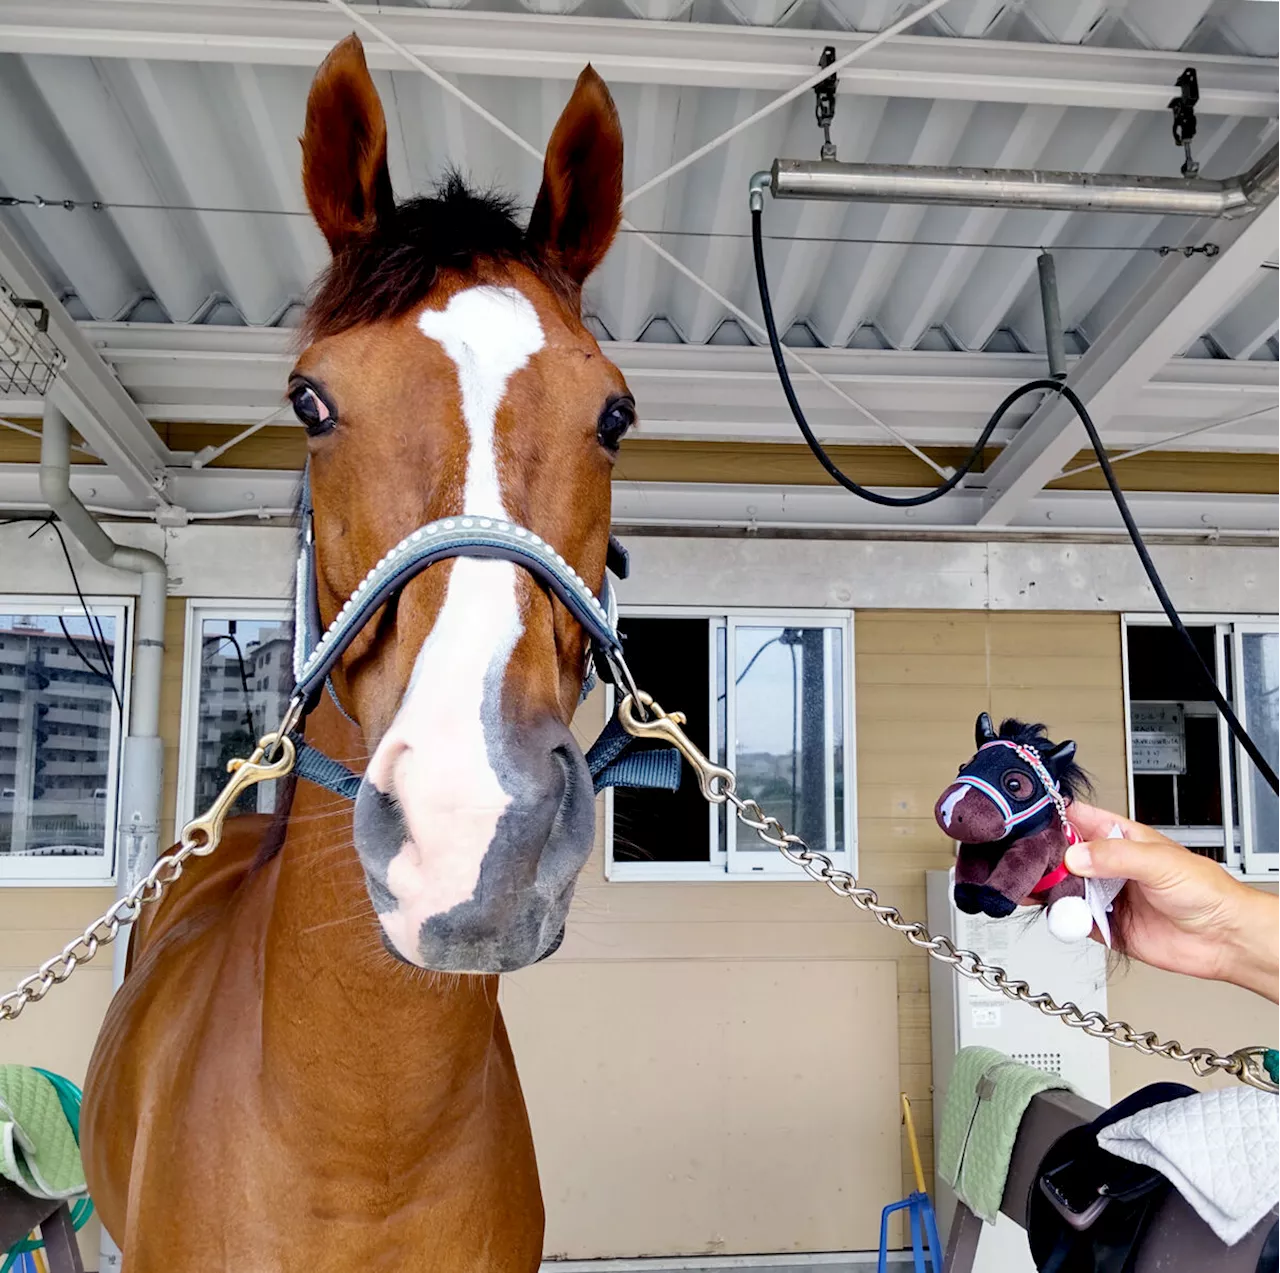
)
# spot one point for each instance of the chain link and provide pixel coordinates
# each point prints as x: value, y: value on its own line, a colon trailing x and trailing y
x: 1244, y: 1064
x: 272, y: 758
x: 718, y: 787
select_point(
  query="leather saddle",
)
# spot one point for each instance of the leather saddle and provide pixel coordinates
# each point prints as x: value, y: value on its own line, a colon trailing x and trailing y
x: 1090, y: 1210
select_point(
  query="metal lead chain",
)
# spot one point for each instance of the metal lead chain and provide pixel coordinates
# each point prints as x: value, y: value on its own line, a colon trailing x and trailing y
x: 272, y: 758
x: 718, y: 787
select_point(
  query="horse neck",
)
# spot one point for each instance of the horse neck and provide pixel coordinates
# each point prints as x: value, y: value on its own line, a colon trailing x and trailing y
x: 338, y: 1009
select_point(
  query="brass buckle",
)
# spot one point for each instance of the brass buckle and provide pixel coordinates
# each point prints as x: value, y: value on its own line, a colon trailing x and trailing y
x: 715, y: 782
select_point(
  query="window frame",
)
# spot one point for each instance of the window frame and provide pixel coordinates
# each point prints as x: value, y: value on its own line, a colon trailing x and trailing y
x: 197, y: 610
x: 718, y: 869
x: 1236, y: 844
x: 1249, y: 855
x: 87, y: 871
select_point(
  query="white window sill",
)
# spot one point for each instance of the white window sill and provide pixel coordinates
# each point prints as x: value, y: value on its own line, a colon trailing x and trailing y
x: 698, y: 873
x: 57, y: 879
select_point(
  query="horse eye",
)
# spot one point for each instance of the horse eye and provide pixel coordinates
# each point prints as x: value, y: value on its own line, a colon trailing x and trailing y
x: 312, y: 410
x: 1016, y: 784
x: 614, y: 421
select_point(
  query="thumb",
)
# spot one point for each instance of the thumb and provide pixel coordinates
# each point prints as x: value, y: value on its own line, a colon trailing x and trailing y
x: 1153, y: 863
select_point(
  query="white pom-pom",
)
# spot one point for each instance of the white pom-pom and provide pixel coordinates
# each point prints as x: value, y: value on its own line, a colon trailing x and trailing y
x: 1070, y: 919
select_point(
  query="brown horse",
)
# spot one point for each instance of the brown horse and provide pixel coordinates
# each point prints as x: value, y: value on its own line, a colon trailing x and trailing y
x: 278, y: 1084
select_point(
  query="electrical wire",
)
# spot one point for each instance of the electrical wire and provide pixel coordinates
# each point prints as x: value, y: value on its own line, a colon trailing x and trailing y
x: 96, y: 672
x: 1104, y: 463
x: 863, y: 492
x: 95, y: 627
x: 1163, y: 249
x: 244, y: 675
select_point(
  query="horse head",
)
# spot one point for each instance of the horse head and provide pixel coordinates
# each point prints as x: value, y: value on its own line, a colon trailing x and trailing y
x: 447, y: 372
x: 998, y: 794
x: 1005, y: 809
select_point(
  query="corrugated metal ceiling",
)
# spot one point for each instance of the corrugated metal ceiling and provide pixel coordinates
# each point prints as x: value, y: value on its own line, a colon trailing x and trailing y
x: 222, y: 134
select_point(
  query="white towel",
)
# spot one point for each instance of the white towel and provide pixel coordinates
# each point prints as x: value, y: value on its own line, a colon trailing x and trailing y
x: 1220, y: 1150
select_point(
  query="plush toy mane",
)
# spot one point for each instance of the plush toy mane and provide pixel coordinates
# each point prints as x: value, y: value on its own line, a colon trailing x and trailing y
x: 1073, y: 782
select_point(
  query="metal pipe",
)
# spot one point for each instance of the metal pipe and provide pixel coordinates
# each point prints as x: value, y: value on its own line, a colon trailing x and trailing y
x: 1025, y: 188
x: 1054, y: 345
x: 141, y: 770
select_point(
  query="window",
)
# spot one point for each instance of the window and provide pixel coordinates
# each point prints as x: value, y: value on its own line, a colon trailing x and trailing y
x: 770, y: 696
x: 1255, y: 658
x: 237, y: 678
x: 63, y: 683
x: 1188, y: 776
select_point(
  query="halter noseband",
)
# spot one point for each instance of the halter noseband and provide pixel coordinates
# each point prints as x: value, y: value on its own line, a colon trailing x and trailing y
x: 615, y: 759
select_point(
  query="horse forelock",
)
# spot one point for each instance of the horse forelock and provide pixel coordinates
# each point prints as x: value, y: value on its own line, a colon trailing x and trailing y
x: 388, y: 271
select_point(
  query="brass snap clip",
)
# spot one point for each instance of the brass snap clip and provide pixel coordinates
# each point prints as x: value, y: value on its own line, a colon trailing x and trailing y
x: 201, y: 835
x: 715, y: 782
x: 1252, y: 1068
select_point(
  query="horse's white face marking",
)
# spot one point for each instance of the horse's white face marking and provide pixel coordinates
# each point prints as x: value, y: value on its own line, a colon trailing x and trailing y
x: 962, y: 789
x: 439, y: 754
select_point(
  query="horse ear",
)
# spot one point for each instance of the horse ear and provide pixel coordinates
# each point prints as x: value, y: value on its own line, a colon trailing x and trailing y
x: 983, y: 732
x: 580, y: 204
x: 1060, y: 757
x: 344, y: 148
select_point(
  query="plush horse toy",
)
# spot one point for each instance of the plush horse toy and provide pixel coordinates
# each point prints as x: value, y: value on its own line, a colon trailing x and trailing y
x: 1008, y: 810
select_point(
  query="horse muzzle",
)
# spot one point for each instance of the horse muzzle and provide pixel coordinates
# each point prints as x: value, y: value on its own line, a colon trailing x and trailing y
x: 968, y: 815
x: 470, y: 886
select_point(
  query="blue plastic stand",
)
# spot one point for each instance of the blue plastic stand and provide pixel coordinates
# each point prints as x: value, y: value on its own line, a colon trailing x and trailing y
x: 924, y: 1228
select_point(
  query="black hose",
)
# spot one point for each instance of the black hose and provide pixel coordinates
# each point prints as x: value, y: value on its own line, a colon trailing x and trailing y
x: 863, y: 492
x: 1033, y: 386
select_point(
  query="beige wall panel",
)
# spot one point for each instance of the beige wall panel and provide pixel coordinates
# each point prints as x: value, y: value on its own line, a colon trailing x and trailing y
x: 57, y: 1033
x: 1196, y: 1013
x: 686, y: 1093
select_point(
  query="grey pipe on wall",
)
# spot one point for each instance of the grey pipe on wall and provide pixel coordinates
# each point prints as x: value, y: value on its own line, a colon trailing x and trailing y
x: 142, y: 763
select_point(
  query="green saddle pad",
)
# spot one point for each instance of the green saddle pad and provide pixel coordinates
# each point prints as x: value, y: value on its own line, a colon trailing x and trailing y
x: 38, y: 1150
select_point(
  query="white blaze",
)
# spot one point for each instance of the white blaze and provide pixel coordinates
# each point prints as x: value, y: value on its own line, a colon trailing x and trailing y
x: 948, y: 805
x: 435, y: 758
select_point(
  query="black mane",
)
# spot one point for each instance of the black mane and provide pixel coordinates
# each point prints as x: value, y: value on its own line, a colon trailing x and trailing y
x: 1073, y: 782
x: 387, y: 272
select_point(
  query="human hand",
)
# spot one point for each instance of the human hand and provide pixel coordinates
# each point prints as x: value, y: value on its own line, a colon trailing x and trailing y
x: 1181, y: 912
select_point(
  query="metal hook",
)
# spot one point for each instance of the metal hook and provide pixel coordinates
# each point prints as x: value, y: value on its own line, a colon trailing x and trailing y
x: 715, y: 782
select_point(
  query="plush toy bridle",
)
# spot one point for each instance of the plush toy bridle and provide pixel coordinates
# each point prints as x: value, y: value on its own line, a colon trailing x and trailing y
x: 1052, y: 796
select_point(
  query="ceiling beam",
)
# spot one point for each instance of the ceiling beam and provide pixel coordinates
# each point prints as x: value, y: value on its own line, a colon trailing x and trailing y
x: 236, y: 375
x: 1180, y: 300
x: 272, y: 492
x: 1249, y: 324
x: 87, y: 389
x: 300, y: 33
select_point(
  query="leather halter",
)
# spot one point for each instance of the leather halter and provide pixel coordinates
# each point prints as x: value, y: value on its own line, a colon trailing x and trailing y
x: 615, y: 759
x: 1052, y: 796
x: 1029, y: 756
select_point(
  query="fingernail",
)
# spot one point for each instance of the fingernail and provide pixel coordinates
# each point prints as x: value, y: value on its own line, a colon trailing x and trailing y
x: 1079, y: 860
